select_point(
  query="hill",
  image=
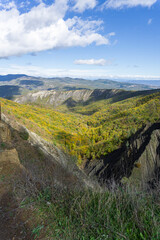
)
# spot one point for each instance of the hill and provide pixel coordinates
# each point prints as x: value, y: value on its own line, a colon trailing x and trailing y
x: 38, y: 198
x: 10, y: 77
x: 72, y: 98
x: 115, y: 140
x: 29, y: 83
x: 91, y: 130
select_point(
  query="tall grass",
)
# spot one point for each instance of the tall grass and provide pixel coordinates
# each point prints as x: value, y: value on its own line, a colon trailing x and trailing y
x: 120, y: 214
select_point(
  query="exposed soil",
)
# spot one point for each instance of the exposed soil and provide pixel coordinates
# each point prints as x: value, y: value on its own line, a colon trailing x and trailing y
x: 26, y: 170
x: 12, y: 225
x: 13, y: 220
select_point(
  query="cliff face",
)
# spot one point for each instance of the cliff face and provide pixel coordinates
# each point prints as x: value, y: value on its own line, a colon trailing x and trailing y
x: 55, y: 98
x: 136, y: 162
x: 71, y: 98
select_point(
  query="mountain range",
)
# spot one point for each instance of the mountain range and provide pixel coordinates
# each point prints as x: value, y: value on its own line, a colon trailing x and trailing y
x: 11, y: 85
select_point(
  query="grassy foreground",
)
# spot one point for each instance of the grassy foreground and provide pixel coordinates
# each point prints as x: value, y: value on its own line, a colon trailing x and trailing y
x: 114, y: 215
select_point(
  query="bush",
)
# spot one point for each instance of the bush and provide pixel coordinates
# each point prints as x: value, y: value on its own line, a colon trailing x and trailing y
x: 24, y: 135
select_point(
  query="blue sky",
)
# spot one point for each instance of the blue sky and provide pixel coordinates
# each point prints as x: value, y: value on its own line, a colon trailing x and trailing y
x: 116, y: 39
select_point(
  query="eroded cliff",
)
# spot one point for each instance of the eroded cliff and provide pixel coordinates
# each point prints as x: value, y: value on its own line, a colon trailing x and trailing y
x: 137, y: 162
x: 71, y: 98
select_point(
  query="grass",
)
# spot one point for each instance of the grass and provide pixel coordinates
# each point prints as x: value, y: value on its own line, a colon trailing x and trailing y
x: 120, y: 214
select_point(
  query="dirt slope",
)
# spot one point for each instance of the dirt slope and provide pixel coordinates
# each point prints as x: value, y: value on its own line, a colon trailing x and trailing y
x: 11, y: 224
x: 28, y: 165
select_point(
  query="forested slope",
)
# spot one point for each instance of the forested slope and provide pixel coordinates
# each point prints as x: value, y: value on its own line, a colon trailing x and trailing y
x: 90, y: 131
x: 37, y: 208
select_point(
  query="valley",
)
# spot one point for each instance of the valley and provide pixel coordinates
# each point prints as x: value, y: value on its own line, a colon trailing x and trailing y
x: 86, y: 124
x: 80, y: 120
x: 77, y: 157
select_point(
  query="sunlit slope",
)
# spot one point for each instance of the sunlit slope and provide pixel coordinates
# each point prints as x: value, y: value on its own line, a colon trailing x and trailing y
x: 88, y: 131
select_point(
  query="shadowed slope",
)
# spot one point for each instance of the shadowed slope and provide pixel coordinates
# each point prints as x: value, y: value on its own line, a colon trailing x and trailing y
x: 138, y: 160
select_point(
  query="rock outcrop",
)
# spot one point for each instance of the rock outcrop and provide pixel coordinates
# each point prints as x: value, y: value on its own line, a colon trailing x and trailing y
x: 137, y: 162
x: 55, y: 98
x: 71, y: 98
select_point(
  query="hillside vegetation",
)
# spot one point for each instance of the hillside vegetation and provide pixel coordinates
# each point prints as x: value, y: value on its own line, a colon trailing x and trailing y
x: 34, y: 206
x: 91, y: 130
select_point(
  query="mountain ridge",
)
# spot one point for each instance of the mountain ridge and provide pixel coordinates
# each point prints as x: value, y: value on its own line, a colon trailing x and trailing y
x: 55, y: 98
x: 29, y: 83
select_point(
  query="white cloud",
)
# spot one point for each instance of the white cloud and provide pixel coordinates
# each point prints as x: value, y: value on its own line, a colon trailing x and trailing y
x: 82, y: 5
x: 6, y: 5
x: 24, y: 4
x: 128, y: 3
x: 98, y: 62
x: 149, y: 21
x: 44, y: 28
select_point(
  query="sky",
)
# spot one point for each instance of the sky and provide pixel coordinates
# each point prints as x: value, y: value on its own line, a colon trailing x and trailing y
x: 112, y: 39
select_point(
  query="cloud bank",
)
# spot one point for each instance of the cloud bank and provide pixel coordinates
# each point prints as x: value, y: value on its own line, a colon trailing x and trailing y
x: 98, y: 62
x: 45, y: 27
x: 128, y: 3
x: 62, y: 72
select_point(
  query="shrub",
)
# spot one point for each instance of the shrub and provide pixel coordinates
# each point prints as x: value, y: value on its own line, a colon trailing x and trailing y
x: 24, y: 135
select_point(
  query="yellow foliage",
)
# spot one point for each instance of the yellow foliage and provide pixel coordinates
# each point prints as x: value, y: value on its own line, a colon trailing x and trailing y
x: 87, y: 136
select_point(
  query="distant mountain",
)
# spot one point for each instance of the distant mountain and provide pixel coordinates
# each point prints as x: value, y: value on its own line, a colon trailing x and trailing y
x: 110, y: 84
x: 11, y: 77
x: 28, y: 83
x: 155, y: 83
